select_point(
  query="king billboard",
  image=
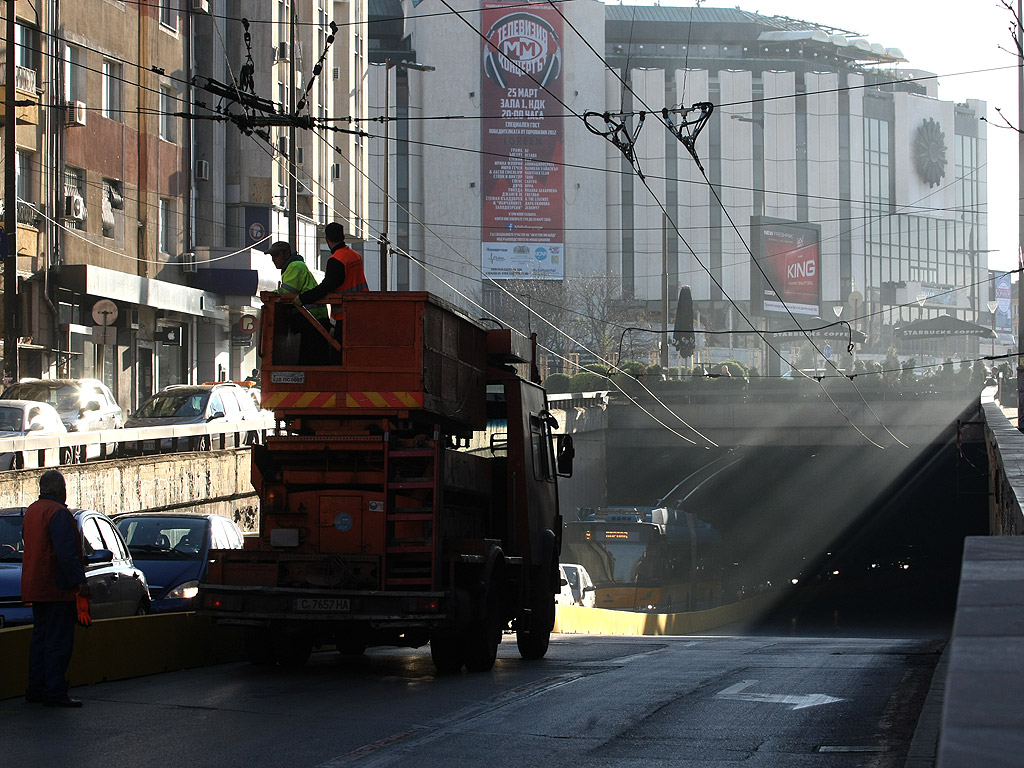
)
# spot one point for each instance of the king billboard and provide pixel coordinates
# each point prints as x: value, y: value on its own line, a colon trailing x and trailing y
x: 785, y: 275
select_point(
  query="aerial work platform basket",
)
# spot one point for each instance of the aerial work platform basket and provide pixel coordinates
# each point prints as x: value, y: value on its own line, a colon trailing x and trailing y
x: 399, y: 352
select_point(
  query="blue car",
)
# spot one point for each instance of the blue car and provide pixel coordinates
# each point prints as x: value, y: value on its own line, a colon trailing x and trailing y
x: 117, y: 585
x: 173, y: 550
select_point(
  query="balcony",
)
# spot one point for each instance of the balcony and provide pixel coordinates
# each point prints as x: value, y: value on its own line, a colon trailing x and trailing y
x: 24, y: 91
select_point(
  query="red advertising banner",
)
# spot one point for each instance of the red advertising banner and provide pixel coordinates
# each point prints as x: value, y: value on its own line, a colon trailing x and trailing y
x: 522, y: 177
x: 789, y: 256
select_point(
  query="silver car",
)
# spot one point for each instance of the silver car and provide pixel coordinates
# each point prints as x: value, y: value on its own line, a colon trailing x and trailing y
x: 194, y: 404
x: 84, y: 405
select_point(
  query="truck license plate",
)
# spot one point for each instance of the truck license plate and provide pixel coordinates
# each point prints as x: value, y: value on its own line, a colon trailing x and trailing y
x: 335, y: 604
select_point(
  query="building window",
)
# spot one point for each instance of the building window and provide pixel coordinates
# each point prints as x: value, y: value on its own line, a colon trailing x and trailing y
x: 112, y: 213
x: 74, y: 73
x: 168, y: 232
x: 74, y: 187
x: 169, y: 14
x: 24, y: 187
x: 111, y: 106
x: 26, y: 47
x: 168, y: 119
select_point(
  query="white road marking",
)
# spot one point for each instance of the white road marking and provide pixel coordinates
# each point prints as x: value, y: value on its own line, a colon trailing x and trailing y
x: 798, y: 701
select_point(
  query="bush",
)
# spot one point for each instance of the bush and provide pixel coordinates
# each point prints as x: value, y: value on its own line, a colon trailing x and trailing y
x: 633, y: 368
x: 587, y: 381
x: 557, y: 383
x: 601, y: 370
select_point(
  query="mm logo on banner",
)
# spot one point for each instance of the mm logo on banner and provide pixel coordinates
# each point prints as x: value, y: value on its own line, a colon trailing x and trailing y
x: 521, y: 44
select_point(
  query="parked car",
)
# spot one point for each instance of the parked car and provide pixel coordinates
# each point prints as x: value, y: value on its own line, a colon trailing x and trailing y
x: 118, y: 586
x: 84, y: 405
x: 565, y: 595
x: 194, y: 404
x: 21, y: 418
x: 581, y: 585
x: 173, y: 550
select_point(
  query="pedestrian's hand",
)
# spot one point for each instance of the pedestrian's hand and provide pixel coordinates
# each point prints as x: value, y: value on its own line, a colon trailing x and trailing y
x: 83, y: 590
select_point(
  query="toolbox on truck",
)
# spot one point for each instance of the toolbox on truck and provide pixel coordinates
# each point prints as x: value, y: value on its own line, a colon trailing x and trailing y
x: 398, y: 350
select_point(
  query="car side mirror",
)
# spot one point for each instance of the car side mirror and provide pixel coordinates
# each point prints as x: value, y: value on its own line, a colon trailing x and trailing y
x: 92, y: 405
x: 35, y: 426
x: 590, y: 589
x: 99, y: 557
x: 565, y: 452
x: 216, y: 415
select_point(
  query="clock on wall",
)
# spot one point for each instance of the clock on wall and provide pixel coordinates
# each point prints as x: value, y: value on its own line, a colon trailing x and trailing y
x: 930, y: 152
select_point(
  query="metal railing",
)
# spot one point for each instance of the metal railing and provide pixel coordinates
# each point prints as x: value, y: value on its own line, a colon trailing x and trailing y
x: 31, y: 452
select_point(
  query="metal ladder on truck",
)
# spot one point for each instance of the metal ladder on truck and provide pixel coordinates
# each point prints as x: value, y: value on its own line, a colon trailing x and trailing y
x: 412, y: 506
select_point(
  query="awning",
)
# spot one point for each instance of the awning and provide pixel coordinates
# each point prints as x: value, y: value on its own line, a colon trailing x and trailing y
x: 90, y: 280
x: 941, y: 326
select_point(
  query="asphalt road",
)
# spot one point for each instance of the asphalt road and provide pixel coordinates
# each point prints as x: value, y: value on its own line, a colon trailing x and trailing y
x: 769, y: 700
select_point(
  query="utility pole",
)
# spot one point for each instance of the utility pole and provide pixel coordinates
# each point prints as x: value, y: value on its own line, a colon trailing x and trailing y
x: 664, y: 294
x: 1020, y: 213
x: 293, y: 192
x: 9, y: 247
x: 385, y: 243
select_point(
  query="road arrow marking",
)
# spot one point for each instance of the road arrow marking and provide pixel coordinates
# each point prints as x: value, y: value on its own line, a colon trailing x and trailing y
x: 737, y: 693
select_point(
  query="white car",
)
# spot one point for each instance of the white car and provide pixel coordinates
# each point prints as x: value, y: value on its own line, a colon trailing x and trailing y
x: 579, y: 586
x: 22, y: 418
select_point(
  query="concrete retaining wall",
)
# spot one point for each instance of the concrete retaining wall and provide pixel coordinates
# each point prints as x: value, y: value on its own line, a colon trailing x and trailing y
x: 215, y: 481
x: 1005, y: 445
x: 116, y: 649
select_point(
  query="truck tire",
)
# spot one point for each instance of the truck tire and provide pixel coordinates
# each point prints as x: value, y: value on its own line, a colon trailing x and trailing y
x: 534, y: 636
x: 258, y: 648
x: 483, y: 635
x: 447, y: 653
x: 291, y: 649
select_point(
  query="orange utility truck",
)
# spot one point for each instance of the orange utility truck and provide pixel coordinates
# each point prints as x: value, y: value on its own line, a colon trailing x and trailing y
x: 409, y: 495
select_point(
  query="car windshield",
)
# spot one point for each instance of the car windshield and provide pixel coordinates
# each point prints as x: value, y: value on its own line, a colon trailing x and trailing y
x: 11, y: 419
x: 168, y: 404
x: 63, y: 397
x: 164, y: 538
x: 11, y: 544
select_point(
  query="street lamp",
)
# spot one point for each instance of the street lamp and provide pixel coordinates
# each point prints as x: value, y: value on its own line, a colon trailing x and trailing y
x: 385, y: 244
x: 992, y: 307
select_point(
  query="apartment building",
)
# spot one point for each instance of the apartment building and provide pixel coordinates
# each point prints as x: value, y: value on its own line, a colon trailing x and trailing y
x: 149, y: 187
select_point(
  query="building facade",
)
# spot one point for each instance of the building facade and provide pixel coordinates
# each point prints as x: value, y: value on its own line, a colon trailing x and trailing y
x: 811, y: 126
x: 157, y: 159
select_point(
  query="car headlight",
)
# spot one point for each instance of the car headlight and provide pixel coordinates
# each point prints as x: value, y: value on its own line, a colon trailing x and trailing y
x: 187, y: 591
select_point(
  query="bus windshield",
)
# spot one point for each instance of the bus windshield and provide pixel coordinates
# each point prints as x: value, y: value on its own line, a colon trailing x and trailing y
x: 613, y: 553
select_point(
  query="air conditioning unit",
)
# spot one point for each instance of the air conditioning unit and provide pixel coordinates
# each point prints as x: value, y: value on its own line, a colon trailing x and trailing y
x: 74, y: 207
x: 203, y: 170
x: 200, y: 6
x: 283, y: 52
x: 188, y: 262
x: 298, y: 155
x: 335, y: 171
x: 302, y: 189
x: 335, y: 73
x: 282, y: 145
x: 76, y: 113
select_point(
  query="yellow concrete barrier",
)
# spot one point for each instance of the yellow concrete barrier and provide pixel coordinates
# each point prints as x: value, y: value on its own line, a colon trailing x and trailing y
x: 573, y: 619
x: 115, y: 649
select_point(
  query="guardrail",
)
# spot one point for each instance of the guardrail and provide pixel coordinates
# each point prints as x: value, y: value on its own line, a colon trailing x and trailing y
x: 72, y: 448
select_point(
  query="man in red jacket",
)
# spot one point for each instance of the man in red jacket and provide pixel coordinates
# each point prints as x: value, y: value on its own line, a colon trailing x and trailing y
x: 51, y: 576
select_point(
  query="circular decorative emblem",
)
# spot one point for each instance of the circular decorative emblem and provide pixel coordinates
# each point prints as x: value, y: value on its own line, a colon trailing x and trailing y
x: 930, y: 152
x: 522, y: 45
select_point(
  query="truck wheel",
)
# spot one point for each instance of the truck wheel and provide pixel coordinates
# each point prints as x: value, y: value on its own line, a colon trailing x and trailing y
x: 292, y: 650
x: 258, y: 649
x: 484, y: 635
x: 446, y: 651
x: 351, y: 647
x: 534, y: 639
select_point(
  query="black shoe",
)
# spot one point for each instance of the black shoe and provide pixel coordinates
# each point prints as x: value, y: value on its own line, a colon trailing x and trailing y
x: 34, y: 698
x: 67, y: 701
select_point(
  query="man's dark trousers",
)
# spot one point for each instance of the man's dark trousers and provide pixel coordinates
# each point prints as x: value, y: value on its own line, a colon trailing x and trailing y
x: 53, y: 637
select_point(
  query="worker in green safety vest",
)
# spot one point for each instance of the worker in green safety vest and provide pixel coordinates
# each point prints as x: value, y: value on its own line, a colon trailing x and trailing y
x: 296, y: 278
